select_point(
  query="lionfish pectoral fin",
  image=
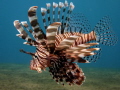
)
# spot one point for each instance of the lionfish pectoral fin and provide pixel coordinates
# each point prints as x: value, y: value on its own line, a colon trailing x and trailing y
x: 67, y: 42
x: 78, y: 53
x: 104, y: 33
x: 96, y: 49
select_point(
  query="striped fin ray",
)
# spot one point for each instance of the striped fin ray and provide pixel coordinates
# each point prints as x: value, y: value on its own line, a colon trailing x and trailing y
x: 79, y: 52
x: 84, y: 38
x: 104, y: 32
x: 79, y: 23
x: 65, y: 7
x: 40, y: 50
x: 61, y: 5
x: 38, y: 34
x: 67, y: 43
x: 51, y: 33
x: 55, y: 5
x: 25, y: 24
x: 61, y: 37
x: 95, y: 57
x: 43, y: 12
x: 71, y: 7
x: 32, y: 42
x: 61, y: 12
x: 48, y: 13
x: 23, y: 34
x: 64, y: 15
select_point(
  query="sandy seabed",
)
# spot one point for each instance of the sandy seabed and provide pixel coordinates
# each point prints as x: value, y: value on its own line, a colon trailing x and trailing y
x: 20, y: 77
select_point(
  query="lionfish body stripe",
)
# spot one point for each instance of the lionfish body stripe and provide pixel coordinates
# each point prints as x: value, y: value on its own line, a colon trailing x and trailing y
x: 68, y: 39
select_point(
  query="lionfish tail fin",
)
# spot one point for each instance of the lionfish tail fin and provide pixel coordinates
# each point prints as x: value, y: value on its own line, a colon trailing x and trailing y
x: 104, y: 33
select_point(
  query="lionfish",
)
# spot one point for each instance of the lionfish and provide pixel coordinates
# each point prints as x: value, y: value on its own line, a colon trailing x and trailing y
x: 68, y: 41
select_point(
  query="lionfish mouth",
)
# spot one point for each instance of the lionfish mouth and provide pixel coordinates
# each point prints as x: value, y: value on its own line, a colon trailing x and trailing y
x: 68, y: 39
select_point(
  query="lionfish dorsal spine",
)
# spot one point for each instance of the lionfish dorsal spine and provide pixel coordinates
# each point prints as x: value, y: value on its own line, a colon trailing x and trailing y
x: 71, y: 7
x: 38, y: 34
x: 23, y: 34
x: 59, y: 9
x: 25, y: 24
x: 43, y: 12
x: 48, y: 12
x: 55, y: 5
x: 51, y: 33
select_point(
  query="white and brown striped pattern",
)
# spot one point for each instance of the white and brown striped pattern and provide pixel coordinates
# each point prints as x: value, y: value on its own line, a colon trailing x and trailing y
x: 25, y: 24
x: 22, y: 32
x: 60, y: 48
x: 59, y: 10
x: 83, y: 38
x: 51, y: 33
x: 48, y: 12
x: 81, y: 50
x: 40, y: 61
x: 71, y: 7
x: 55, y: 5
x: 43, y: 12
x: 37, y: 33
x: 66, y: 43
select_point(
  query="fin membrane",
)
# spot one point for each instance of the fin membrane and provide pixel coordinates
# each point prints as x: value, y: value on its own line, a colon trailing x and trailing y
x: 104, y: 32
x: 79, y: 23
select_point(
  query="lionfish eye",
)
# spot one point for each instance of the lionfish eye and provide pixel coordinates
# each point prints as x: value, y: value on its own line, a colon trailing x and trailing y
x: 34, y: 56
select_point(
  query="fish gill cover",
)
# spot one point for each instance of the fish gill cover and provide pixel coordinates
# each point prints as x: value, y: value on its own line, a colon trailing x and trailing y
x: 67, y: 39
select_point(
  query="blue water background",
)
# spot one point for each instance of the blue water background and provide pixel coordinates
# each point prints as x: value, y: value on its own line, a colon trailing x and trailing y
x: 94, y: 10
